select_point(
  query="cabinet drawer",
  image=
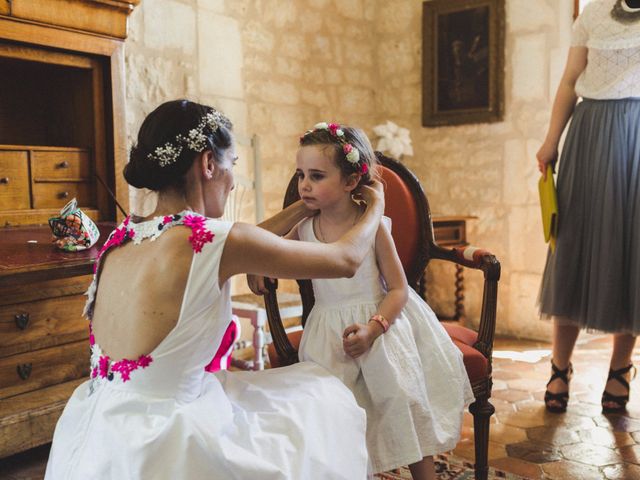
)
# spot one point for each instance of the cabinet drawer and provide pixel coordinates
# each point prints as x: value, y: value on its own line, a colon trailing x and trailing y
x: 72, y: 165
x: 57, y: 194
x: 31, y: 371
x: 31, y: 326
x: 14, y: 180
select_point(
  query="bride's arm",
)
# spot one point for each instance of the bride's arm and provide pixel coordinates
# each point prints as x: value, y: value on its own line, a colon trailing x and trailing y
x: 282, y: 222
x: 249, y: 249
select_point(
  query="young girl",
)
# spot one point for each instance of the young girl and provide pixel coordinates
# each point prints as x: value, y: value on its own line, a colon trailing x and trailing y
x: 373, y: 332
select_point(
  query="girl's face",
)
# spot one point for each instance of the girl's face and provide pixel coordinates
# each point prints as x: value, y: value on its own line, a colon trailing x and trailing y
x: 320, y: 181
x: 220, y: 184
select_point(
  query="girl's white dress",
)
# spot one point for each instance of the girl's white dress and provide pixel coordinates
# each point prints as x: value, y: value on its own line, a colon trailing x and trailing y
x: 163, y: 417
x: 412, y: 382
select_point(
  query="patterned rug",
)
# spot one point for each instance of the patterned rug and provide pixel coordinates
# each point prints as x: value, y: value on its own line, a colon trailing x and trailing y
x: 449, y: 467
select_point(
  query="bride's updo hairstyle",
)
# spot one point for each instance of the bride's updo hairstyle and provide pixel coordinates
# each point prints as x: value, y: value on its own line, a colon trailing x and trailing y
x: 170, y: 138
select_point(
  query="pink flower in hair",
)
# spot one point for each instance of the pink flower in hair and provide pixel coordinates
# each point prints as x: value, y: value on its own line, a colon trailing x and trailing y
x: 364, y: 169
x: 333, y: 128
x: 346, y: 148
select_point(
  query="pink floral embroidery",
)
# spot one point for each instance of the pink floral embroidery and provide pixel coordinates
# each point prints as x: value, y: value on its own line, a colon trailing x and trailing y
x: 116, y: 238
x: 199, y: 234
x: 167, y: 219
x: 103, y: 366
x: 124, y: 367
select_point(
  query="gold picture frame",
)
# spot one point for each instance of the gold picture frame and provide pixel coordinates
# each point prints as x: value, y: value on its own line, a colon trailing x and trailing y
x: 462, y: 62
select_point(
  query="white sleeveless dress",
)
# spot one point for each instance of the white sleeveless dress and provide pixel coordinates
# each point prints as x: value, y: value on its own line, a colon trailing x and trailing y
x: 162, y: 416
x: 412, y: 382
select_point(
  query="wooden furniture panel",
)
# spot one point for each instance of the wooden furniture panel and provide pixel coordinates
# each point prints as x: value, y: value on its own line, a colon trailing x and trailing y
x: 31, y: 371
x: 57, y: 194
x: 451, y: 231
x: 62, y: 64
x: 28, y: 420
x: 60, y: 165
x: 14, y: 180
x: 45, y: 323
x: 106, y: 17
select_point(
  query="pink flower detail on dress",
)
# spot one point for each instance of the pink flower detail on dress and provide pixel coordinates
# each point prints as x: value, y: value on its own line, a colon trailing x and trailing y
x: 103, y: 366
x: 167, y: 219
x: 117, y: 237
x: 199, y: 234
x: 94, y: 372
x: 124, y: 367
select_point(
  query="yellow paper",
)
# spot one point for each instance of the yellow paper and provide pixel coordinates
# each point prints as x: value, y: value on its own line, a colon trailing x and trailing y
x: 549, y: 207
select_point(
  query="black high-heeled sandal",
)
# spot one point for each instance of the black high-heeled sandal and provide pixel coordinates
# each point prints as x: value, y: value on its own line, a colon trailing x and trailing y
x: 562, y: 398
x: 620, y: 400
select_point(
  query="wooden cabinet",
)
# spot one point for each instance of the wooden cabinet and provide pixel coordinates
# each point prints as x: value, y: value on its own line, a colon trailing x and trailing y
x: 44, y: 347
x: 62, y: 135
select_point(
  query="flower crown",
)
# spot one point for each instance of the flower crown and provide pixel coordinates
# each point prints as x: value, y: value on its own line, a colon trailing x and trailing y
x: 195, y: 140
x: 352, y: 154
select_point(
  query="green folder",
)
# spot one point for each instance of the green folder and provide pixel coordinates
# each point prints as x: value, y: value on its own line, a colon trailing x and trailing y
x: 549, y: 207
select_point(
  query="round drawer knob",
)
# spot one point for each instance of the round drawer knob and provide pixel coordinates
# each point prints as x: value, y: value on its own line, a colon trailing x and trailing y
x: 24, y: 370
x: 4, y: 180
x: 63, y: 164
x: 22, y: 320
x: 63, y: 194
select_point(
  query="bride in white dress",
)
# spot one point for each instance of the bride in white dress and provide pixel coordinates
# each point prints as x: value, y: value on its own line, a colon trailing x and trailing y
x: 158, y: 307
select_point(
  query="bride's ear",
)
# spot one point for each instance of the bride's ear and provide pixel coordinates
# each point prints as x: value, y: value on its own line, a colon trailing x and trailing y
x: 208, y: 164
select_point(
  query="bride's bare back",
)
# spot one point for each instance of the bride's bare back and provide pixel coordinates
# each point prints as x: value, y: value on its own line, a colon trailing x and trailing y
x: 140, y: 293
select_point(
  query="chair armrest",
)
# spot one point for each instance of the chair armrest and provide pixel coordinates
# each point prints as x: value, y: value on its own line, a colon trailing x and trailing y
x: 287, y: 353
x: 480, y: 260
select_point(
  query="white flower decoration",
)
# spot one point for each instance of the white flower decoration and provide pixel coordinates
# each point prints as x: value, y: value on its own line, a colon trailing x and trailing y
x: 393, y: 139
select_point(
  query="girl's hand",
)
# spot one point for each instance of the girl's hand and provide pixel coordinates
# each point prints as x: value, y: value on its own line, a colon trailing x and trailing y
x: 257, y: 284
x: 358, y: 338
x: 548, y: 154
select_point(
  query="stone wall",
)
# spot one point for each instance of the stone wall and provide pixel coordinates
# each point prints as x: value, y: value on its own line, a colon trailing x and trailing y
x: 277, y: 67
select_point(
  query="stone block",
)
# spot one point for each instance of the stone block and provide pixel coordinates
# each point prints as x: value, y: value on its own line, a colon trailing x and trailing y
x: 398, y: 16
x: 529, y: 15
x: 530, y: 67
x: 257, y: 37
x: 527, y: 250
x: 352, y: 9
x: 356, y: 100
x: 169, y: 24
x: 216, y: 6
x: 221, y: 56
x: 293, y: 45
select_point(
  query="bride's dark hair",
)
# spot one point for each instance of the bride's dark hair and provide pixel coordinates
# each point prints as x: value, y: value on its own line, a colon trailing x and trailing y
x: 161, y: 127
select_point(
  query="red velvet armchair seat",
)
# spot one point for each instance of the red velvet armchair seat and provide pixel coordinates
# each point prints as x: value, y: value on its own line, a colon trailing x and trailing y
x: 412, y: 232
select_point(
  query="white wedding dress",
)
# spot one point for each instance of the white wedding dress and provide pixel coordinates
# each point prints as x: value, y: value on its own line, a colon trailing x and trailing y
x: 163, y: 417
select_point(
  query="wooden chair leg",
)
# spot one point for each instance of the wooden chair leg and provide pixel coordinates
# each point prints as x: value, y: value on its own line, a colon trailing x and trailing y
x: 481, y: 410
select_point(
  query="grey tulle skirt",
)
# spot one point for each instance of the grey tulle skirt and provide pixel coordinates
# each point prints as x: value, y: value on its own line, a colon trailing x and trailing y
x: 593, y: 277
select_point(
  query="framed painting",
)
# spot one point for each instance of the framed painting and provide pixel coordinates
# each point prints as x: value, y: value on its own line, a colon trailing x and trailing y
x: 462, y: 61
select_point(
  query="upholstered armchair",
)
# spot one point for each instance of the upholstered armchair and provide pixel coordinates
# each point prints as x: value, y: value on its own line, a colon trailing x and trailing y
x: 412, y: 232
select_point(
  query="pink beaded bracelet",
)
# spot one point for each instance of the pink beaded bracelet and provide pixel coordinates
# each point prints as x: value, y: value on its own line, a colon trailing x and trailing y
x: 384, y: 323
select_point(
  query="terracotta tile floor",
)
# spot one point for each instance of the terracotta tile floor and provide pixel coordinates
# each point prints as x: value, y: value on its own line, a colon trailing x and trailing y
x: 581, y: 444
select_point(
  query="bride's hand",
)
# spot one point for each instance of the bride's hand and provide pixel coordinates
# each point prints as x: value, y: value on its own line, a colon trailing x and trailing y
x: 372, y: 194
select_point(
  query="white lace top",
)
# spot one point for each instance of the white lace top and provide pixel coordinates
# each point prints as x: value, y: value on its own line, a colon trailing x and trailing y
x: 613, y: 67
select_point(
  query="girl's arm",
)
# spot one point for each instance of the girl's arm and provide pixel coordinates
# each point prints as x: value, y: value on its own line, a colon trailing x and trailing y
x: 282, y: 222
x: 250, y: 249
x: 393, y: 302
x: 563, y: 106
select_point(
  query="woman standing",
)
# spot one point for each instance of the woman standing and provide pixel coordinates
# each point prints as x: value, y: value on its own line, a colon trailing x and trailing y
x: 592, y: 280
